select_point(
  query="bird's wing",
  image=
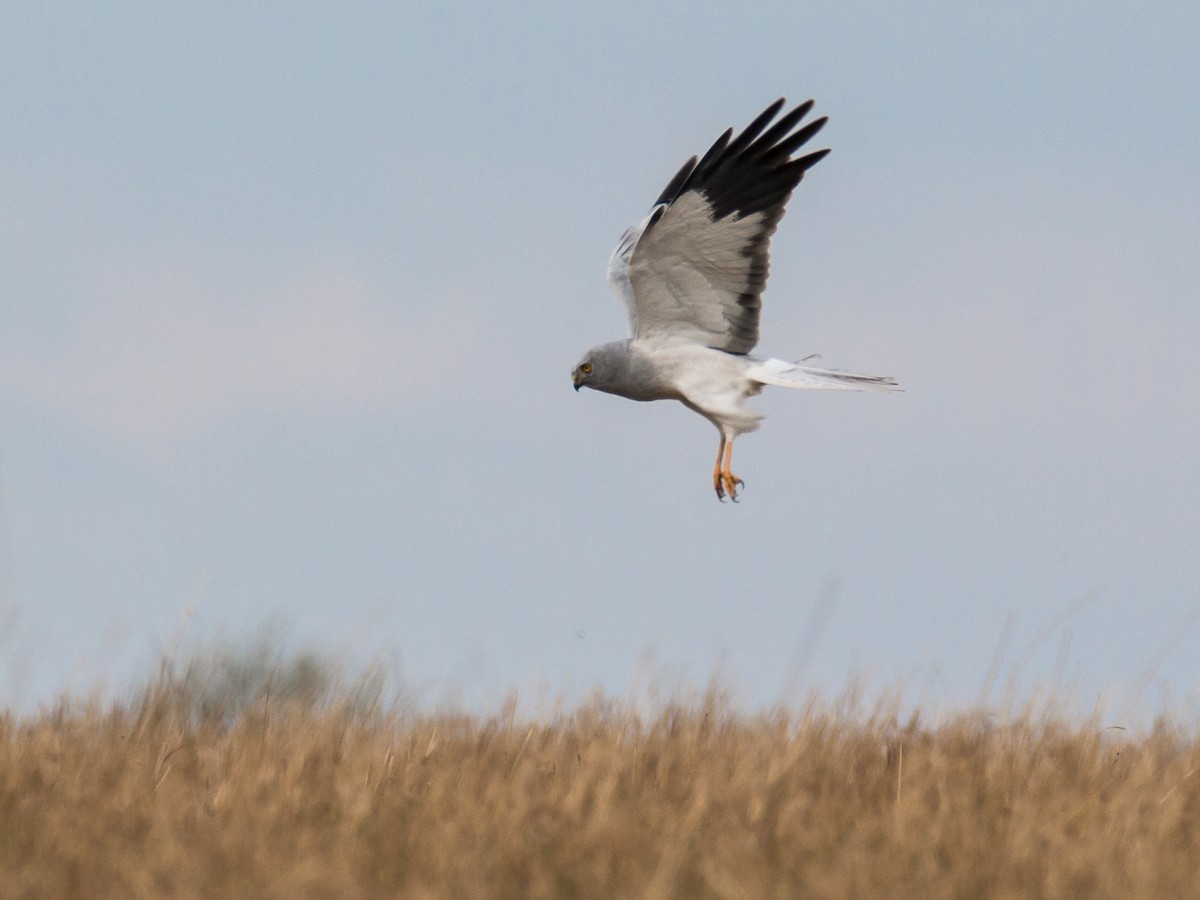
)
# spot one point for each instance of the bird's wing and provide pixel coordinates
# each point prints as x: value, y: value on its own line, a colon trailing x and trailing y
x: 694, y: 270
x: 618, y: 271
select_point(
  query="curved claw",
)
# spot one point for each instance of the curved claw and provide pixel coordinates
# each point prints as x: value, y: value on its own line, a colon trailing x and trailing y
x: 725, y: 483
x: 732, y: 485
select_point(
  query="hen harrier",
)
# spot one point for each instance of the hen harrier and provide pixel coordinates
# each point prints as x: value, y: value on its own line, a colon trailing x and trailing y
x: 692, y: 275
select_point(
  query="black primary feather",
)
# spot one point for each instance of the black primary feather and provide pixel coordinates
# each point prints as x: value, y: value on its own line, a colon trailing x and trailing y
x: 753, y: 172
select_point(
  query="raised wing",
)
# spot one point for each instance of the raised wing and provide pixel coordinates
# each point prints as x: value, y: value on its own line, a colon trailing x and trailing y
x: 694, y: 270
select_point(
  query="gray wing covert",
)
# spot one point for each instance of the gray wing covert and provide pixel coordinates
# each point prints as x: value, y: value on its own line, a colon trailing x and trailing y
x: 695, y: 269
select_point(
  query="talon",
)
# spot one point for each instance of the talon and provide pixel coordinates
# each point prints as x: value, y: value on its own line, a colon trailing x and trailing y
x: 731, y: 484
x: 725, y: 483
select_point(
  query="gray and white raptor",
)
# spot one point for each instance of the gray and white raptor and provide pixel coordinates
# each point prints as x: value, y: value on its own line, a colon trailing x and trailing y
x: 692, y: 275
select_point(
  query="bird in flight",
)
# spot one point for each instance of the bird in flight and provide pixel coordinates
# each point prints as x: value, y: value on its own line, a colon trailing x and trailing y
x: 692, y: 274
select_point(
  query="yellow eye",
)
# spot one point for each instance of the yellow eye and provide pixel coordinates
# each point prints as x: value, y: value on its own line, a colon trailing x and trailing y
x: 586, y: 368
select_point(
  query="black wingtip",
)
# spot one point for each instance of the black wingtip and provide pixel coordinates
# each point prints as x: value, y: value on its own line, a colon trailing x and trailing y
x: 754, y: 129
x: 671, y: 191
x: 811, y: 159
x: 754, y: 170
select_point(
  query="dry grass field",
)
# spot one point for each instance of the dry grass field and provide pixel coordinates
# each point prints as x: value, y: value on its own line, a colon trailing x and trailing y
x: 174, y: 794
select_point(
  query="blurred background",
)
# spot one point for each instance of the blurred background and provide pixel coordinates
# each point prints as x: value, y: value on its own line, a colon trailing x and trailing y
x: 290, y: 295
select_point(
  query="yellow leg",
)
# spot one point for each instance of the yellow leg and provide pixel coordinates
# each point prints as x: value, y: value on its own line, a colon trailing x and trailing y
x: 730, y: 481
x: 717, y: 484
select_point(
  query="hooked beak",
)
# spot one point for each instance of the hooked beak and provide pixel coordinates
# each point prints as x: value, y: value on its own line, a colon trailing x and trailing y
x: 577, y: 380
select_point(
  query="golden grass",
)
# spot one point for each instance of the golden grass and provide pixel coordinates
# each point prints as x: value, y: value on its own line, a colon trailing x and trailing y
x: 157, y: 799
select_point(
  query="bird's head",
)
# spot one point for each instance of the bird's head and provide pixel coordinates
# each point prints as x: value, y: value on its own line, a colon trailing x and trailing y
x: 583, y: 372
x: 601, y: 366
x: 604, y: 367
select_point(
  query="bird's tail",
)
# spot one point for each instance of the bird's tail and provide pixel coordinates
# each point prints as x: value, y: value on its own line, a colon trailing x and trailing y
x: 794, y: 375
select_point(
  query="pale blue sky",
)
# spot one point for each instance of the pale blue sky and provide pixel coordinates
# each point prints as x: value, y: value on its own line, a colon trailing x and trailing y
x: 290, y: 295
